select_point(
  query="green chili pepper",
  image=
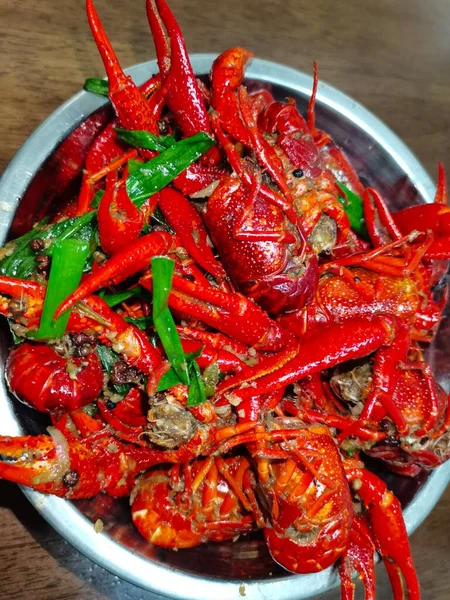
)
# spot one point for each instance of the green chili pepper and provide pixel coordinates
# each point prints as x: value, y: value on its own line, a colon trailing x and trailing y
x: 144, y: 139
x: 96, y: 86
x: 162, y: 271
x: 155, y: 174
x: 353, y: 206
x: 67, y: 267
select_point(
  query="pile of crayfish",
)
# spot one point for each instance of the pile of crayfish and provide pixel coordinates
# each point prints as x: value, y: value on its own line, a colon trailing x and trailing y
x: 222, y: 321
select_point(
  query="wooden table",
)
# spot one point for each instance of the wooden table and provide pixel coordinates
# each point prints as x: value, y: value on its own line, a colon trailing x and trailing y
x: 391, y: 55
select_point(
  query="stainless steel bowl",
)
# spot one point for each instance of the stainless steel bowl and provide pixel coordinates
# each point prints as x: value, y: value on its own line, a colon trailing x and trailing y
x: 219, y: 570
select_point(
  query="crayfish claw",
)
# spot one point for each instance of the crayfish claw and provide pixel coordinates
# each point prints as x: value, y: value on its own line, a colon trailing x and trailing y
x: 389, y: 533
x: 183, y: 96
x: 76, y: 469
x: 131, y: 107
x: 33, y: 461
x: 358, y: 557
x: 227, y: 74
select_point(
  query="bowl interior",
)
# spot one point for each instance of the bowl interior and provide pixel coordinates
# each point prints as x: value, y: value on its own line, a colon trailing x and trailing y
x: 248, y: 558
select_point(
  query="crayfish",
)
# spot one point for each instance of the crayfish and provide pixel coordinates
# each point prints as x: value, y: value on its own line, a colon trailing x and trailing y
x: 228, y: 344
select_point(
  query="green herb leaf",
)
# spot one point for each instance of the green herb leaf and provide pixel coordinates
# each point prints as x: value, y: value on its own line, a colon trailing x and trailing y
x: 191, y: 356
x: 96, y: 199
x: 155, y: 174
x: 84, y: 233
x: 96, y: 86
x: 197, y: 394
x: 108, y: 359
x: 23, y: 261
x: 353, y: 206
x: 162, y: 271
x: 141, y: 323
x: 169, y: 380
x: 133, y: 165
x: 144, y: 139
x: 118, y: 297
x: 19, y: 247
x: 67, y: 267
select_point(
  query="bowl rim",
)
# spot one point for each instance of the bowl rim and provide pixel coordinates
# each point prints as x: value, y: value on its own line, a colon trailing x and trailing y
x: 63, y: 515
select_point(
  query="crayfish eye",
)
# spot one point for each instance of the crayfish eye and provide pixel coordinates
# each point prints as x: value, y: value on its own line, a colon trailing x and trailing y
x: 297, y: 173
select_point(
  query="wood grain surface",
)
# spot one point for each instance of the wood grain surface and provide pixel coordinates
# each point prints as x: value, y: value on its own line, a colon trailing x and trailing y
x: 391, y: 55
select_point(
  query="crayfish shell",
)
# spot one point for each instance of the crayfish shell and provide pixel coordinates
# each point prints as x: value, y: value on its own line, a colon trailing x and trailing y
x: 311, y: 513
x: 40, y: 378
x: 279, y: 276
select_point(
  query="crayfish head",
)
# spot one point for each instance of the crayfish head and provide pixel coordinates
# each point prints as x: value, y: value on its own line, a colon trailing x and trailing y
x: 169, y: 423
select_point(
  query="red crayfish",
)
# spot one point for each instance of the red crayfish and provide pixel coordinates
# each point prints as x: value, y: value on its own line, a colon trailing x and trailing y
x: 244, y: 391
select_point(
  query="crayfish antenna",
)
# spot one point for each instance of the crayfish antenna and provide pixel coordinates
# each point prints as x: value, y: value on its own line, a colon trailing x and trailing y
x: 311, y: 114
x: 441, y: 190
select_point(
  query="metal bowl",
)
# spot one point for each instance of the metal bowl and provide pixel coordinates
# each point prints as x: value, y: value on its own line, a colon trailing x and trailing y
x: 219, y: 570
